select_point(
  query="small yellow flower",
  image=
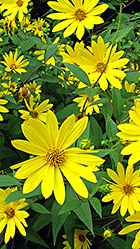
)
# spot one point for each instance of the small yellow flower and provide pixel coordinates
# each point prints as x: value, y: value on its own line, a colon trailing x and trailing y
x: 36, y: 111
x: 53, y: 157
x: 26, y: 24
x: 89, y: 106
x: 80, y: 240
x: 8, y: 25
x: 67, y: 77
x: 129, y: 87
x: 13, y: 64
x: 107, y: 234
x: 78, y: 14
x: 34, y: 87
x: 14, y: 7
x: 39, y: 25
x: 2, y: 108
x: 11, y: 215
x: 125, y: 192
x: 94, y: 60
x: 10, y: 88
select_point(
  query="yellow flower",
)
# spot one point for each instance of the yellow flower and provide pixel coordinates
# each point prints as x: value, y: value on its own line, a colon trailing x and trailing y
x: 129, y: 87
x: 67, y: 77
x: 50, y: 144
x: 39, y: 25
x: 11, y: 215
x: 131, y: 132
x: 125, y: 192
x: 80, y: 240
x: 8, y: 24
x: 34, y: 87
x: 10, y: 88
x: 94, y: 62
x: 78, y: 14
x: 14, y: 7
x: 2, y: 108
x: 107, y: 234
x: 72, y: 53
x: 133, y: 227
x: 26, y: 24
x: 36, y: 111
x: 13, y: 64
x: 89, y: 106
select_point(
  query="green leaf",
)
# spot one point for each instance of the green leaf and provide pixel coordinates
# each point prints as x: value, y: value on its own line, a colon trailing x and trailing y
x: 84, y: 214
x: 57, y: 220
x: 51, y: 79
x: 67, y: 111
x: 39, y: 208
x: 50, y: 51
x: 17, y: 195
x: 27, y: 44
x: 33, y: 236
x: 69, y: 206
x: 117, y: 243
x: 96, y: 204
x: 7, y: 181
x: 117, y: 102
x: 42, y: 221
x: 10, y: 99
x: 91, y: 92
x: 78, y: 73
x: 132, y: 76
x: 106, y: 109
x: 123, y: 32
x: 69, y: 224
x: 95, y: 131
x: 111, y: 128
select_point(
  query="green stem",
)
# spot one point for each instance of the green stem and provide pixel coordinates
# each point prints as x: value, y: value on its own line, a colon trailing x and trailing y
x: 120, y: 16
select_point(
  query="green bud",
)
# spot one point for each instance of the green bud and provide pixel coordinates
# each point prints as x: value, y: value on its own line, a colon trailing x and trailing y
x: 31, y: 156
x: 104, y: 189
x: 93, y: 37
x: 85, y: 144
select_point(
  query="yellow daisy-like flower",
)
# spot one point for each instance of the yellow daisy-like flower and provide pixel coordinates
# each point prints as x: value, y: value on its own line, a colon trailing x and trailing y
x: 11, y: 215
x: 26, y: 24
x: 72, y: 53
x: 14, y: 7
x: 125, y: 192
x: 131, y: 132
x: 9, y: 26
x: 36, y: 111
x: 133, y: 227
x: 34, y: 87
x: 107, y: 234
x: 39, y: 25
x: 129, y: 87
x: 67, y: 77
x: 80, y: 240
x: 13, y: 64
x: 79, y: 15
x: 89, y: 106
x: 94, y: 62
x: 50, y: 144
x: 2, y: 108
x: 10, y: 88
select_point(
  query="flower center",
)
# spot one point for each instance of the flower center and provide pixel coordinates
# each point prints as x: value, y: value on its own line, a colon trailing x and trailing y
x: 40, y: 28
x: 82, y: 237
x: 55, y: 157
x: 19, y: 3
x: 35, y: 114
x: 128, y: 189
x: 80, y: 15
x: 9, y: 211
x: 13, y: 67
x: 100, y: 67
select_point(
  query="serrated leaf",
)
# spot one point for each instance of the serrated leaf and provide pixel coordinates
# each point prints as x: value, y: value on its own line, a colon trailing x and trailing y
x: 84, y: 214
x: 17, y: 195
x: 78, y: 73
x: 7, y: 181
x: 69, y: 206
x: 11, y: 99
x: 132, y: 76
x: 39, y: 208
x: 57, y: 220
x: 96, y: 204
x: 27, y: 44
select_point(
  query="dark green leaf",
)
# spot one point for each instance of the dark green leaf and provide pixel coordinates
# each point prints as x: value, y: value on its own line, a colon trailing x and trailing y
x: 50, y: 51
x: 96, y: 204
x: 39, y: 208
x: 42, y: 221
x: 6, y: 181
x: 95, y: 131
x: 117, y: 102
x: 33, y: 236
x: 111, y: 128
x: 78, y: 73
x: 69, y: 206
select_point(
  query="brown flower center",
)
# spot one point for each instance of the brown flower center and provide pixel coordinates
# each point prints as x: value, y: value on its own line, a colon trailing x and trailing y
x: 82, y: 237
x: 100, y: 67
x: 19, y: 3
x: 35, y: 114
x: 13, y: 67
x: 128, y: 189
x: 9, y: 211
x: 40, y: 28
x: 80, y: 15
x: 55, y: 157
